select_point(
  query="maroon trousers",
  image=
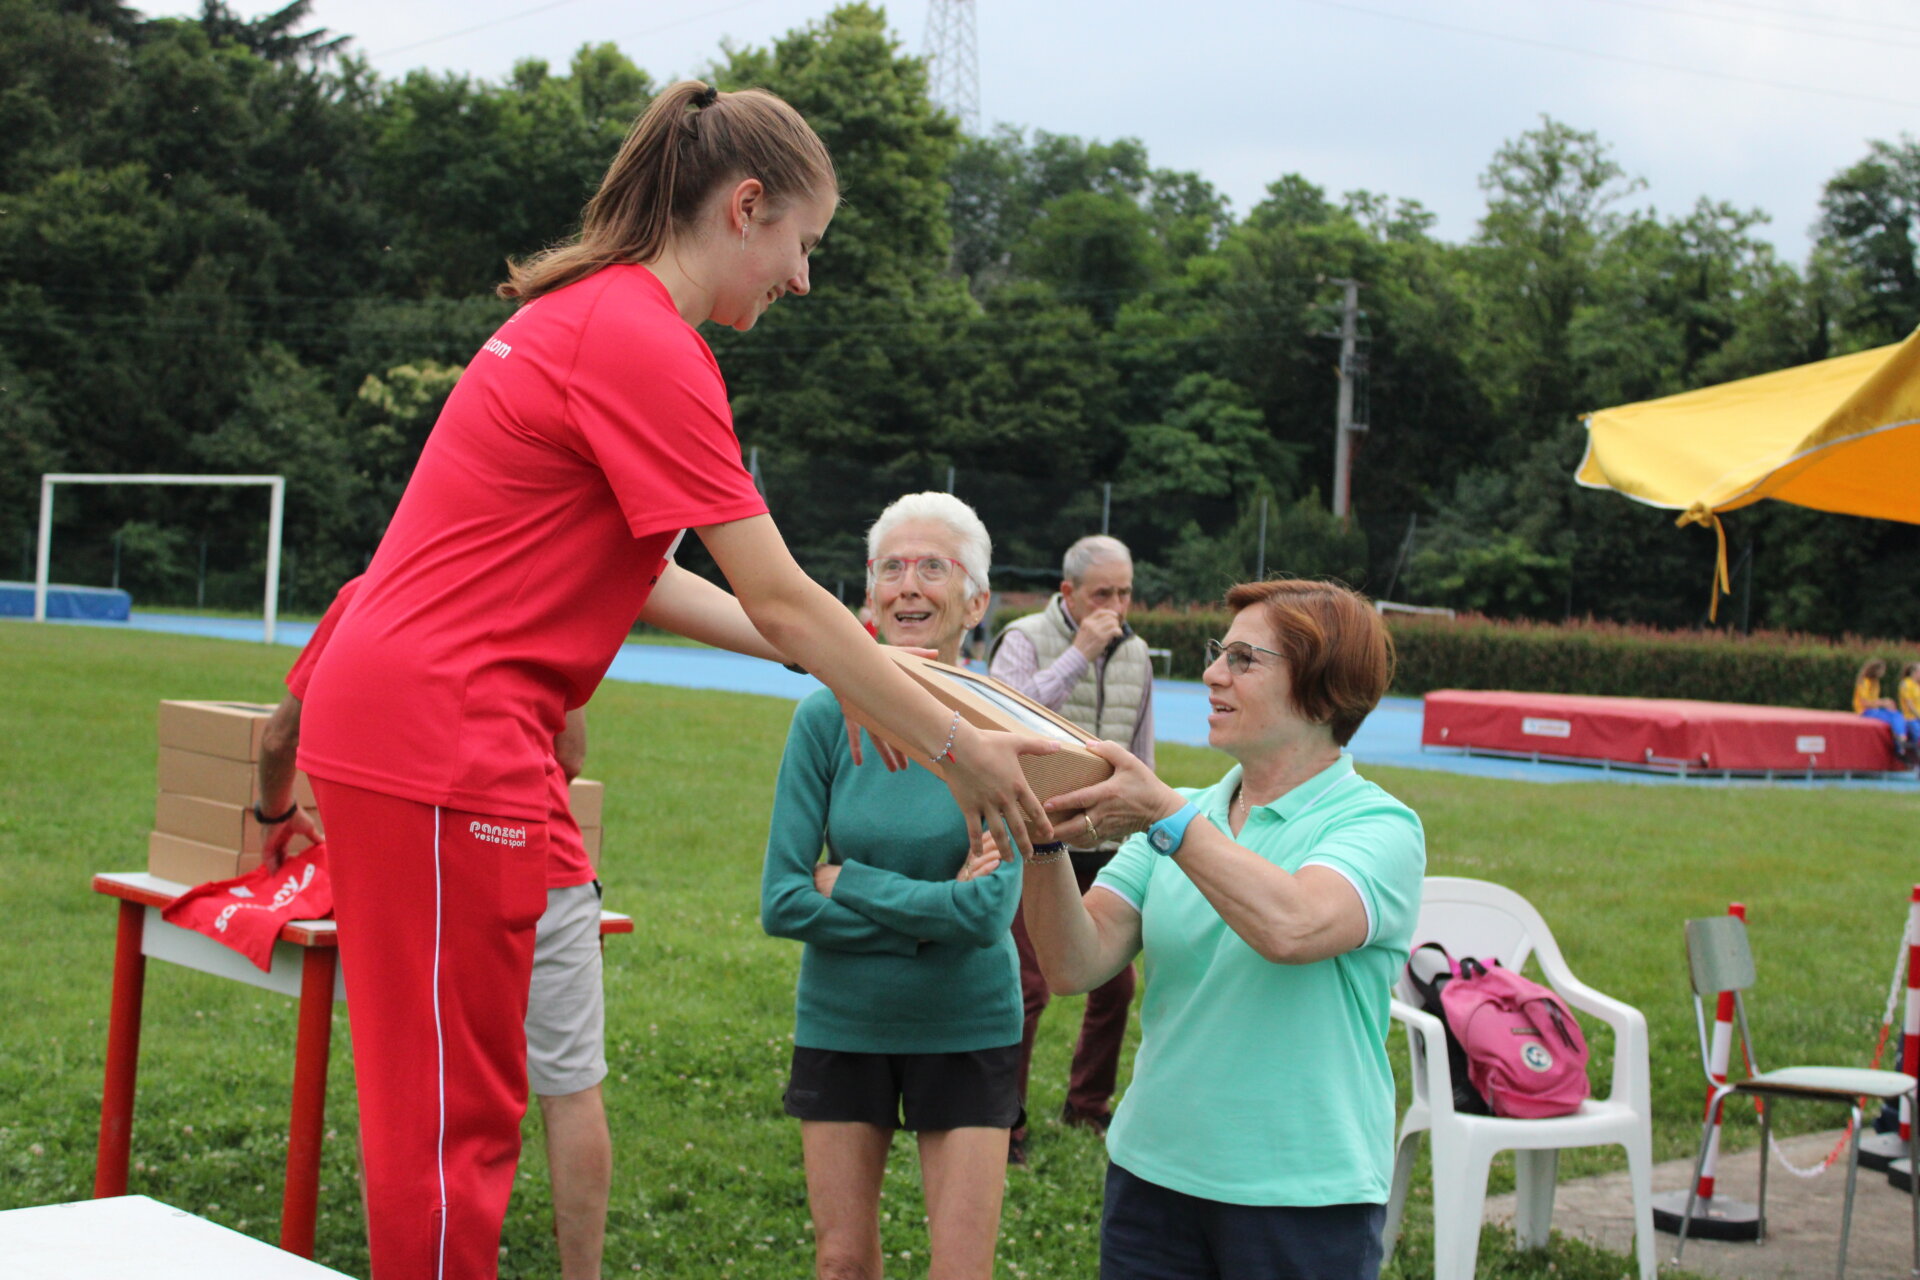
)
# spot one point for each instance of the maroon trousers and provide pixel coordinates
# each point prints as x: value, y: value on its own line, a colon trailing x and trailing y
x: 1096, y: 1054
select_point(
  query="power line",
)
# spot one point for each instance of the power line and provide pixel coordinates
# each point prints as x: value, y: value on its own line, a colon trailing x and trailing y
x: 1598, y: 55
x: 467, y: 31
x: 1878, y: 42
x: 555, y: 4
x: 981, y: 336
x: 397, y: 306
x: 1771, y: 11
x: 697, y: 17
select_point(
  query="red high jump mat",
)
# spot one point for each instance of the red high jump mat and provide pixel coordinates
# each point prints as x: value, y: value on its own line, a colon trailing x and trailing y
x: 1669, y: 734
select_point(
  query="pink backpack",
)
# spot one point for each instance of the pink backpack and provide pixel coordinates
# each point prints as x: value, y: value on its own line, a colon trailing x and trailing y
x: 1525, y: 1051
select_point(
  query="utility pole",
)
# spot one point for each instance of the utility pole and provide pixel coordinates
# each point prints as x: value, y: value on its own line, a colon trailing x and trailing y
x: 1350, y: 413
x: 953, y: 58
x: 1260, y: 559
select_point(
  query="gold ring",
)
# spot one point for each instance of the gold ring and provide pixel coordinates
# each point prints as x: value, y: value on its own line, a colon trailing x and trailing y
x: 1093, y: 832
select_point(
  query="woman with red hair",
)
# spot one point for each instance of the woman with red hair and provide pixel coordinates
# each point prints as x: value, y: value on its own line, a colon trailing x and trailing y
x: 1271, y: 913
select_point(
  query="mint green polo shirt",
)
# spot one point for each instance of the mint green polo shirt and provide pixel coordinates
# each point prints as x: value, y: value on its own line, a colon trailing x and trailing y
x: 1259, y: 1083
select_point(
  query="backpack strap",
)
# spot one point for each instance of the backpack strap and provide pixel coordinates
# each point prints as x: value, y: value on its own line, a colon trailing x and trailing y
x: 1569, y: 1031
x: 1466, y: 1098
x: 1429, y: 991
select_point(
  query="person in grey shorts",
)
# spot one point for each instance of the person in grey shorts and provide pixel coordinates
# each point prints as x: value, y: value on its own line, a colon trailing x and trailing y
x: 566, y: 1052
x: 566, y: 1015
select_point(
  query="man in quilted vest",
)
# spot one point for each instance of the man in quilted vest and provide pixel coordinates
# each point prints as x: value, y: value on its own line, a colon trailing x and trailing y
x: 1079, y: 658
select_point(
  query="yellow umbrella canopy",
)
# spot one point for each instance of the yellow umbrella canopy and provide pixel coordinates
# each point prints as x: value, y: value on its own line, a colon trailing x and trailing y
x: 1838, y: 435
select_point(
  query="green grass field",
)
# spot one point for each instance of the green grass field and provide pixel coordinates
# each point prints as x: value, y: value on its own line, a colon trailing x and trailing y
x: 708, y: 1181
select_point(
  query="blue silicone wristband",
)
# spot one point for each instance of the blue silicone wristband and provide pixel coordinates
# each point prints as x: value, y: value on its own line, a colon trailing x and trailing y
x: 1165, y: 835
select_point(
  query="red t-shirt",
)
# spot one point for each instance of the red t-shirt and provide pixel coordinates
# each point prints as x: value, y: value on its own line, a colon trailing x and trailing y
x: 567, y: 863
x: 586, y: 434
x: 301, y: 671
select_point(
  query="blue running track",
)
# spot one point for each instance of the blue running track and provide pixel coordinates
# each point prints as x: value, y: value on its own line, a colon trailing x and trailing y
x: 1391, y: 735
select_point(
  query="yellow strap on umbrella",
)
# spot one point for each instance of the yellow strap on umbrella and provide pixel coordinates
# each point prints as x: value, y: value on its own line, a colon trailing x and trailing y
x: 1701, y: 513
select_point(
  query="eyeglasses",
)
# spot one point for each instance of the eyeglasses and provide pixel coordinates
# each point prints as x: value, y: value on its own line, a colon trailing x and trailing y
x: 1239, y: 655
x: 932, y: 570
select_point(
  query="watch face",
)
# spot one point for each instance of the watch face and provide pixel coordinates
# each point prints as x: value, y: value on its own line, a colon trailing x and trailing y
x: 1162, y: 840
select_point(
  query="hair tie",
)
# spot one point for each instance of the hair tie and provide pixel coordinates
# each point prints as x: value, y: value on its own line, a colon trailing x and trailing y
x: 705, y: 98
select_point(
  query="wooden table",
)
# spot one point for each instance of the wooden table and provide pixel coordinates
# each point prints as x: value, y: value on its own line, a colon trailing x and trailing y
x: 305, y: 966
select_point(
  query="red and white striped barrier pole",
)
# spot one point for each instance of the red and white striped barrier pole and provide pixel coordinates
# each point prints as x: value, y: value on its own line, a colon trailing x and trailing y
x: 1715, y: 1217
x: 1898, y: 1171
x: 1910, y: 1041
x: 1888, y: 1150
x: 1720, y: 1052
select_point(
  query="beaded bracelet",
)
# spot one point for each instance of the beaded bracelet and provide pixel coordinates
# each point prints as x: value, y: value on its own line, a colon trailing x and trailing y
x: 953, y: 731
x: 1046, y: 853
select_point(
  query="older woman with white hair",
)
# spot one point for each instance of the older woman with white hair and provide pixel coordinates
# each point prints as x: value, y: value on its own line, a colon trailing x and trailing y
x: 908, y: 1012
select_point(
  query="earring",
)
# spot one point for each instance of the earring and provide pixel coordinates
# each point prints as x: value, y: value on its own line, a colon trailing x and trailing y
x: 743, y: 231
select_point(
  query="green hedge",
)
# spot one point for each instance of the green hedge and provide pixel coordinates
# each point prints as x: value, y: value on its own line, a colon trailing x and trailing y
x: 1768, y: 668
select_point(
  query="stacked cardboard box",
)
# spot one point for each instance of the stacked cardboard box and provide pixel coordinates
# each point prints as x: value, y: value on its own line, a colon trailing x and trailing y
x: 585, y: 798
x: 203, y: 824
x: 203, y: 821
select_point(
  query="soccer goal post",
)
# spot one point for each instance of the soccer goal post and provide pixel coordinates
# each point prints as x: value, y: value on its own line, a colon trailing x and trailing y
x: 277, y: 485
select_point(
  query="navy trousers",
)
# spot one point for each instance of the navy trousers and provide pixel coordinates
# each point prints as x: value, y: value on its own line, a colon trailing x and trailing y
x: 1148, y: 1232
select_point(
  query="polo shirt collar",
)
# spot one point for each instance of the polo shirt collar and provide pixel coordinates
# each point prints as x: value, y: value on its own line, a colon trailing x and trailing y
x: 1293, y: 802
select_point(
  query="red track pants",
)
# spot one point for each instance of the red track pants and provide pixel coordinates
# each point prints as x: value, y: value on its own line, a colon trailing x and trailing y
x: 437, y: 912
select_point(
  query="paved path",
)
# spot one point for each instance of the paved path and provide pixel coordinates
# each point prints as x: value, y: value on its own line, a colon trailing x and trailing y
x: 1803, y: 1217
x: 1390, y: 736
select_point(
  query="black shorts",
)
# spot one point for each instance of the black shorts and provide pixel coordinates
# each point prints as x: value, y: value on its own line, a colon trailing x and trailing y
x: 913, y: 1091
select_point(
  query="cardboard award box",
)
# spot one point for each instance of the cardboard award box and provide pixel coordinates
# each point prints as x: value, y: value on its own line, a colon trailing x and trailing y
x: 585, y: 800
x: 203, y: 822
x: 229, y: 730
x: 194, y: 773
x: 985, y: 703
x: 192, y: 862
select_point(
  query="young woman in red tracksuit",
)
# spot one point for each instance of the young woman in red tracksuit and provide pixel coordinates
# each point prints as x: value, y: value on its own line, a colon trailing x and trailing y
x: 586, y: 435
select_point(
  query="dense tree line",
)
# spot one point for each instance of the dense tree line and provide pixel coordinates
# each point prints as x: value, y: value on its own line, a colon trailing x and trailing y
x: 226, y: 245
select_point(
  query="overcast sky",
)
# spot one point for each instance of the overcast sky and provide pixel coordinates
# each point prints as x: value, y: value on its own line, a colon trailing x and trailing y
x: 1757, y: 102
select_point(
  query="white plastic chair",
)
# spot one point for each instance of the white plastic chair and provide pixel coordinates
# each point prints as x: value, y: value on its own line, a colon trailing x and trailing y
x: 1488, y: 921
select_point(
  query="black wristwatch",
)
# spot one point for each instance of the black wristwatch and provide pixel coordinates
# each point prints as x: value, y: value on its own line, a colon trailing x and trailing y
x: 266, y: 821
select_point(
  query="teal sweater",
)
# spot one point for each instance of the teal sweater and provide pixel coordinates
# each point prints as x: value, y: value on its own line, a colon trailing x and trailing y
x: 902, y: 958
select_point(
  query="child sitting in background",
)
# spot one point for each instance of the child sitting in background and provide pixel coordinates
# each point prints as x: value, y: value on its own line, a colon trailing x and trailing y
x: 1867, y: 701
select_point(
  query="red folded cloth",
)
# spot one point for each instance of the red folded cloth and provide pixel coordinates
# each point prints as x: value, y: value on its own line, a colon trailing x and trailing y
x: 247, y: 912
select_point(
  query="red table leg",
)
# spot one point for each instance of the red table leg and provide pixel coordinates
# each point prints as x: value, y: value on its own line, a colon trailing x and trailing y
x: 300, y: 1203
x: 123, y: 1053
